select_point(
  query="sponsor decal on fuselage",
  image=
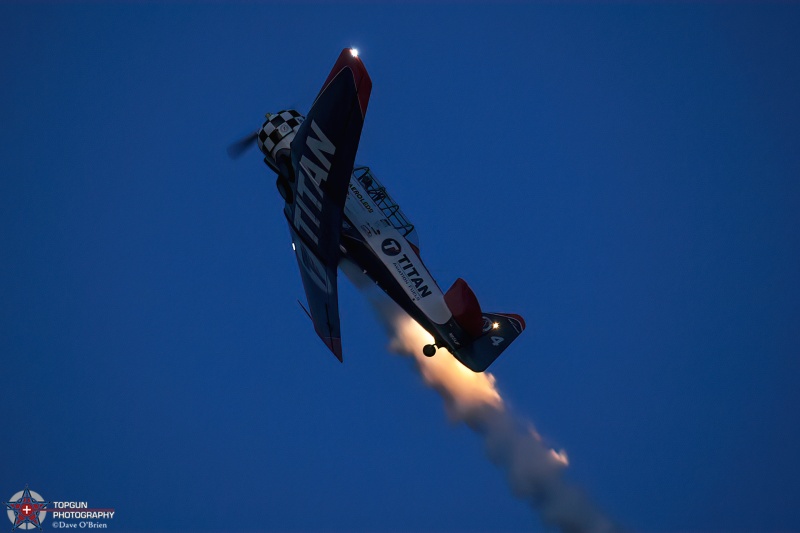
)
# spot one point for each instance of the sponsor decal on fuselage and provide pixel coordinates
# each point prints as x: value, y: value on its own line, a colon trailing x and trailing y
x: 391, y: 247
x: 414, y: 282
x: 360, y: 197
x: 411, y: 277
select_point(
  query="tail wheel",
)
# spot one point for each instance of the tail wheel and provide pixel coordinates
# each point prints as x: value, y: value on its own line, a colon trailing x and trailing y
x: 429, y: 350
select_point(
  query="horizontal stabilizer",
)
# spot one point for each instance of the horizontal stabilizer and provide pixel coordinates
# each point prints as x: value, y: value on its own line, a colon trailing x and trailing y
x: 499, y: 330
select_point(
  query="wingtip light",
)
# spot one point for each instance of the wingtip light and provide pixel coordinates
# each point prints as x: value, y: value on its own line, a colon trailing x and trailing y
x: 354, y: 52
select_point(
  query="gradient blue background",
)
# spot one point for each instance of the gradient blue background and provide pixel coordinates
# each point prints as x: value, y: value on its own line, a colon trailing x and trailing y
x: 626, y: 177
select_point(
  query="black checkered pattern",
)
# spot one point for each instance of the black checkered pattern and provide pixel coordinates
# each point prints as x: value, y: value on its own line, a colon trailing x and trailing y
x: 277, y: 127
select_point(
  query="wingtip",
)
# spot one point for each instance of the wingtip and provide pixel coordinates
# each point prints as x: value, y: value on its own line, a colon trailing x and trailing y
x: 519, y: 318
x: 347, y: 59
x: 335, y: 346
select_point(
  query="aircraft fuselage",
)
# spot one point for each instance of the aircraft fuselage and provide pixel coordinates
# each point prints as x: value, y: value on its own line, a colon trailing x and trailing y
x: 383, y: 253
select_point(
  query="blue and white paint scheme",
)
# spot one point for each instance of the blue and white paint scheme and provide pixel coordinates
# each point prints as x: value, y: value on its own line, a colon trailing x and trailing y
x: 339, y: 214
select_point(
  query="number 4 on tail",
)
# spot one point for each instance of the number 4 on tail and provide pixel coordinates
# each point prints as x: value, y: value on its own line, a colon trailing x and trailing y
x: 496, y: 341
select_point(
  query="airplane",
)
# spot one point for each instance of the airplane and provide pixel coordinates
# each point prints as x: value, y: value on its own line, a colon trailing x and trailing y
x: 340, y: 216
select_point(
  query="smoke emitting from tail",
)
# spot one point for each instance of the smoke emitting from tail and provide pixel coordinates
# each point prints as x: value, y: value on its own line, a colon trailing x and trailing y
x: 534, y: 471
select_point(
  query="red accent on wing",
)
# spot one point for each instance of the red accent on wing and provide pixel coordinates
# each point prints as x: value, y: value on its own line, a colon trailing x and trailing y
x: 464, y: 305
x: 360, y: 76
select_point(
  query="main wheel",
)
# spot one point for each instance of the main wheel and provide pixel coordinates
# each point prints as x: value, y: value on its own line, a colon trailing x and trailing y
x: 429, y: 350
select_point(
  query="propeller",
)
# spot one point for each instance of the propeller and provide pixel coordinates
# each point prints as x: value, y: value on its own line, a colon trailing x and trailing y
x: 238, y: 148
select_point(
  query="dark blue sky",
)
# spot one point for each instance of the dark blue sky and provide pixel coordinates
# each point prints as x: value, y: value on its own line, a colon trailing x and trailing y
x: 624, y: 176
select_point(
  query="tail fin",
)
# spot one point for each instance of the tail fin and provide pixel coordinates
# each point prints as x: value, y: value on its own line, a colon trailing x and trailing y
x: 498, y: 332
x: 486, y: 335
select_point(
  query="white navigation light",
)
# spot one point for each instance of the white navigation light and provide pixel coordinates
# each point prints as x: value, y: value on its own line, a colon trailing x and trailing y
x: 293, y: 248
x: 354, y: 52
x: 495, y: 325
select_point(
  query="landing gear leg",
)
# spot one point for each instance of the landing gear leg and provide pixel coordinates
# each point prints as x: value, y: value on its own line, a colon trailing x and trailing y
x: 284, y: 189
x: 429, y: 350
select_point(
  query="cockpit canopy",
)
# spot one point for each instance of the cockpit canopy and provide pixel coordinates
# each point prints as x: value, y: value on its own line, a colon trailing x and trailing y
x: 391, y: 210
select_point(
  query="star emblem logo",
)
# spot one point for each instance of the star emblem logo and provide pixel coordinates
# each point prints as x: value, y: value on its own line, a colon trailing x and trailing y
x: 24, y: 508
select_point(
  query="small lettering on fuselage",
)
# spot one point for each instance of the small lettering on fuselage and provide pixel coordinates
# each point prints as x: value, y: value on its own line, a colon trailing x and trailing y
x: 454, y: 339
x: 310, y: 177
x: 360, y: 197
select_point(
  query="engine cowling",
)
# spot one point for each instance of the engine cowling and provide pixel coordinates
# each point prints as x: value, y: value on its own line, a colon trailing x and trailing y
x: 277, y: 133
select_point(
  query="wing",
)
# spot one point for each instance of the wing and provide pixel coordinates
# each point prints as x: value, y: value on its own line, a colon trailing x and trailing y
x: 323, y: 152
x: 319, y: 282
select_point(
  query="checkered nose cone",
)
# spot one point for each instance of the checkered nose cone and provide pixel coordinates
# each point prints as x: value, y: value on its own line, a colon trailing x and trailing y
x: 278, y: 128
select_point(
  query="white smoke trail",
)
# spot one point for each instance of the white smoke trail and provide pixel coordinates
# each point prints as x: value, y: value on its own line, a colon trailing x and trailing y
x: 534, y: 471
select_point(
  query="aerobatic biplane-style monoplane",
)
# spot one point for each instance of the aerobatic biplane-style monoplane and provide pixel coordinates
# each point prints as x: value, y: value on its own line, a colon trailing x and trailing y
x: 339, y: 213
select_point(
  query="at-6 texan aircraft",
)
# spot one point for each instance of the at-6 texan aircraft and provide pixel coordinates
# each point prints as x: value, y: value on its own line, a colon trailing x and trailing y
x: 339, y: 214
